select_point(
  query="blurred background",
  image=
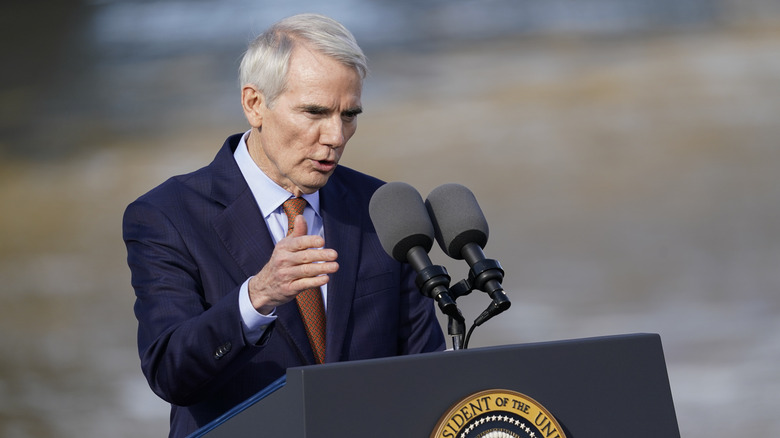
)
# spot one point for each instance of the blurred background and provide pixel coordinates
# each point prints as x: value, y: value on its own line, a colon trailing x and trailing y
x: 624, y: 152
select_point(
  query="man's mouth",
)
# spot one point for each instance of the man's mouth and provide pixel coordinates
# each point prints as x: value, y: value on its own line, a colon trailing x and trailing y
x: 324, y: 165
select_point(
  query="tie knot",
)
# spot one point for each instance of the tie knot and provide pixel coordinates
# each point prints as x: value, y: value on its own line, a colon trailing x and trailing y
x: 292, y: 208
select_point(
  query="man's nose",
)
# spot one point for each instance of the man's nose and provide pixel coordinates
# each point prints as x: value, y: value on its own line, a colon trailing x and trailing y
x: 332, y: 133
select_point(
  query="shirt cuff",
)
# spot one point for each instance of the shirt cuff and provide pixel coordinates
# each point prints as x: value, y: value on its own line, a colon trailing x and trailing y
x: 255, y: 323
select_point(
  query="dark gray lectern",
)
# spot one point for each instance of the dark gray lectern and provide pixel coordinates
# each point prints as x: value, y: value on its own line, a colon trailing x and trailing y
x: 606, y: 387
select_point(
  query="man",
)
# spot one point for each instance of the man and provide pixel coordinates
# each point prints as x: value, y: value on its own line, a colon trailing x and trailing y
x: 220, y: 268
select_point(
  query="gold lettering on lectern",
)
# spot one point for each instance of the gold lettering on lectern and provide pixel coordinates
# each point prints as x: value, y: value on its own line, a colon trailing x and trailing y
x: 466, y: 413
x: 545, y: 426
x: 520, y: 406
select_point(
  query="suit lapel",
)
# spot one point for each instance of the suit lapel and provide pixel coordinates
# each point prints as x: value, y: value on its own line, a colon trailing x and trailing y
x: 240, y: 226
x: 244, y: 234
x: 341, y: 221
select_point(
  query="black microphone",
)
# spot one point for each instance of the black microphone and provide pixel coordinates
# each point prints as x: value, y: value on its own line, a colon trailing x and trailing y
x: 406, y: 234
x: 462, y: 232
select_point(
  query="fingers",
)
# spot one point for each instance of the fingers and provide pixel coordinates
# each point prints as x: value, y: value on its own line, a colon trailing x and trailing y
x: 296, y: 267
x: 304, y: 283
x: 306, y: 252
x: 298, y: 262
x: 282, y: 279
x: 300, y: 227
x: 298, y: 240
x: 306, y: 268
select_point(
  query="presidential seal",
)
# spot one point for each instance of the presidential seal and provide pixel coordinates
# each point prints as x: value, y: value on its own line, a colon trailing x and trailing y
x: 498, y: 413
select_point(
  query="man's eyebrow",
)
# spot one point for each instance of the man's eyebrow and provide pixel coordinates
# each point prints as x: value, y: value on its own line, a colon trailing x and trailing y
x: 314, y: 108
x: 320, y: 109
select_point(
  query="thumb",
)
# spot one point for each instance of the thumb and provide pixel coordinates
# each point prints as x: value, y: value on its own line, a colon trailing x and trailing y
x: 300, y: 227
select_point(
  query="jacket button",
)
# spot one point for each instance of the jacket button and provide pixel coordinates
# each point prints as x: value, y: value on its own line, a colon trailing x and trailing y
x: 222, y: 350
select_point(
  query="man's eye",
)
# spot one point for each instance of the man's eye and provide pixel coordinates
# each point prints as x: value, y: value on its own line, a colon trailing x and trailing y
x: 350, y: 115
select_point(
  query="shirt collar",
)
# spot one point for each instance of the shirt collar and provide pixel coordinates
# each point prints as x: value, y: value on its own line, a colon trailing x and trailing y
x: 268, y: 194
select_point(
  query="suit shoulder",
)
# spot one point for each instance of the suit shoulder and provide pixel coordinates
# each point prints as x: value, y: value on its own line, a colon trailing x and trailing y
x: 357, y: 181
x: 176, y: 187
x: 201, y: 183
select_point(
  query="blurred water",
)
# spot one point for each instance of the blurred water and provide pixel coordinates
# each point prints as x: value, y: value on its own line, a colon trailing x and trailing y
x: 624, y: 153
x: 93, y: 68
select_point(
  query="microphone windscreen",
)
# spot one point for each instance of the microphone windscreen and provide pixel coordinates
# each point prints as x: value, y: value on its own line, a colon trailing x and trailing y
x: 400, y: 219
x: 457, y: 219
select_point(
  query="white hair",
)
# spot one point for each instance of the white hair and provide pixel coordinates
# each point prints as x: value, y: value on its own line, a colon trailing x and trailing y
x: 266, y: 61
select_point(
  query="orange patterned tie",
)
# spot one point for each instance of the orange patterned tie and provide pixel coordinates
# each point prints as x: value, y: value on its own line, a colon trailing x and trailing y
x: 310, y: 300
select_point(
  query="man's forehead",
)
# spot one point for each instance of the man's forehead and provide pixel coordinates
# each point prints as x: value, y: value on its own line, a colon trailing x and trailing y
x: 317, y: 88
x: 304, y: 57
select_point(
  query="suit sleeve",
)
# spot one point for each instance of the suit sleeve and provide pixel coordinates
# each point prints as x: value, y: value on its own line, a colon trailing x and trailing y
x: 188, y: 346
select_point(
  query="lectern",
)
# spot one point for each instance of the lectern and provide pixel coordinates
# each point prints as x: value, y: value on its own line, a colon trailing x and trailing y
x: 614, y: 386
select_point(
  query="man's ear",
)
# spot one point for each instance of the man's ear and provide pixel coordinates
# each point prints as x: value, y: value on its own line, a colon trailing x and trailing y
x: 253, y: 103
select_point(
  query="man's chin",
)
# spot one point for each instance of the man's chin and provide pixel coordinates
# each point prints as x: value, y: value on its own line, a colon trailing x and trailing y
x: 317, y: 182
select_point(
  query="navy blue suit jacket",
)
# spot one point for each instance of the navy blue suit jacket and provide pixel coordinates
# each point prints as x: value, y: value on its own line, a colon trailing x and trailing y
x: 192, y: 242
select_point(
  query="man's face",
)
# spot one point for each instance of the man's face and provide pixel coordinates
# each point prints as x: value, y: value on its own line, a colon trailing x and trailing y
x: 300, y: 139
